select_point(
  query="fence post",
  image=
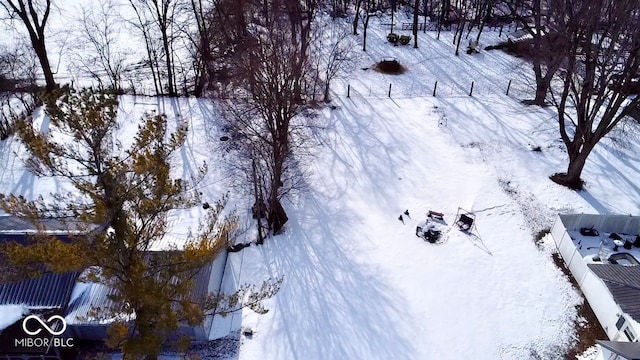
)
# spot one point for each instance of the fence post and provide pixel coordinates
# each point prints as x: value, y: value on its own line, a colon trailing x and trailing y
x: 349, y: 90
x: 471, y: 92
x: 508, y: 87
x: 435, y: 86
x: 389, y: 90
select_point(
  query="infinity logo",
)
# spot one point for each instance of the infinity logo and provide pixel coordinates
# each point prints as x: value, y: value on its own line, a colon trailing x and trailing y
x: 44, y: 325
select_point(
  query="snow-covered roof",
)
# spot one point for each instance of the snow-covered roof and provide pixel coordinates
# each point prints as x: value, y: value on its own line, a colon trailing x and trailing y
x: 9, y: 314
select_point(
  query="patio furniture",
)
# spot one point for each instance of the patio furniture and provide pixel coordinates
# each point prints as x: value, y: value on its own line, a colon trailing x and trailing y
x: 465, y: 220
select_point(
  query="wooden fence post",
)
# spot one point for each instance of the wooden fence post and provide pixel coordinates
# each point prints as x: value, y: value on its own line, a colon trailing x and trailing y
x: 471, y: 92
x: 435, y: 86
x: 389, y: 90
x: 349, y: 89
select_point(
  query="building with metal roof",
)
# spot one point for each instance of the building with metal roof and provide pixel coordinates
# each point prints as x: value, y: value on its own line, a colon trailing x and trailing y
x: 602, y: 253
x: 618, y: 350
x: 91, y: 310
x: 46, y: 295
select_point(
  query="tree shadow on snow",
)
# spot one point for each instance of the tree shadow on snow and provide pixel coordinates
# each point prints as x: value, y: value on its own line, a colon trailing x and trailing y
x: 332, y: 306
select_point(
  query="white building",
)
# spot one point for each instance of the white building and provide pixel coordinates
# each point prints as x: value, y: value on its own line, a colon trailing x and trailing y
x: 602, y: 253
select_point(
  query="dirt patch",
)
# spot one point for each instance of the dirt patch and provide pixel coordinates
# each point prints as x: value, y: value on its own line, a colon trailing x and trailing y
x: 390, y: 66
x: 587, y: 326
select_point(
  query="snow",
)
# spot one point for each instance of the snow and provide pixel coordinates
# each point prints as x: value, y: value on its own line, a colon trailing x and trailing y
x: 358, y: 283
x: 9, y: 314
x: 589, y: 354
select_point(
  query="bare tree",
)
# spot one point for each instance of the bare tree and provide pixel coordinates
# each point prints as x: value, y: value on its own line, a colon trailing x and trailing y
x: 34, y: 15
x: 101, y: 59
x: 334, y: 53
x: 269, y: 91
x: 160, y: 13
x: 201, y: 44
x: 602, y: 65
x: 415, y: 23
x: 546, y: 47
x: 158, y: 21
x: 369, y: 11
x: 143, y: 24
x: 18, y: 88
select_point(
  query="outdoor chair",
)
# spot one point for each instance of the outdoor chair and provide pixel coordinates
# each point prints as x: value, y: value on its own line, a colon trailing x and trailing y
x: 465, y: 220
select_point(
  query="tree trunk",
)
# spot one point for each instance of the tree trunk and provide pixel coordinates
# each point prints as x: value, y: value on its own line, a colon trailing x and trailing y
x: 277, y: 216
x: 326, y: 92
x: 167, y: 54
x: 364, y: 34
x: 459, y: 33
x: 41, y: 52
x: 415, y: 24
x: 355, y: 18
x: 571, y: 178
x: 542, y: 87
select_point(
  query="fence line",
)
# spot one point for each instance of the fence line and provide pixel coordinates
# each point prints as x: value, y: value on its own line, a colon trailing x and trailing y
x: 437, y: 88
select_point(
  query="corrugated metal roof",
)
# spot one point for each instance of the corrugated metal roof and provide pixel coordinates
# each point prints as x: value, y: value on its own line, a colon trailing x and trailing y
x: 623, y: 275
x: 14, y: 224
x: 90, y: 303
x: 628, y: 350
x: 624, y: 284
x: 50, y: 290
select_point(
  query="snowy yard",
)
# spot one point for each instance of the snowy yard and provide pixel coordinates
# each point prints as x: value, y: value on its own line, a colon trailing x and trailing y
x: 358, y: 283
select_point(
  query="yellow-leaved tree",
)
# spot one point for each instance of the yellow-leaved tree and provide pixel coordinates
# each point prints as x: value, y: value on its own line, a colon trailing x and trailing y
x: 128, y: 194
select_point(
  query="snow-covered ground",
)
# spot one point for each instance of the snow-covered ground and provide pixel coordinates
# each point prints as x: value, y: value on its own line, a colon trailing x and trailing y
x: 358, y: 283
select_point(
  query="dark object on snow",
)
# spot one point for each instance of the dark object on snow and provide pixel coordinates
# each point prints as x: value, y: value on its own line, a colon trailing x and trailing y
x: 406, y: 212
x: 224, y: 138
x: 248, y: 332
x: 206, y: 206
x: 589, y: 232
x: 627, y: 245
x: 429, y: 235
x: 237, y: 247
x: 473, y: 47
x: 393, y: 38
x: 401, y: 218
x: 637, y: 242
x: 615, y: 236
x: 404, y: 39
x: 259, y: 210
x: 277, y: 218
x: 435, y: 215
x: 390, y: 66
x: 465, y: 220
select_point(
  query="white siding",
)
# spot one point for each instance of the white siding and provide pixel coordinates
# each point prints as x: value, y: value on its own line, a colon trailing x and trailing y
x: 602, y: 303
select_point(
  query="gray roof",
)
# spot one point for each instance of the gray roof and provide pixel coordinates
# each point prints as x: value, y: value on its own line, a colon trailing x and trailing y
x: 50, y: 290
x: 16, y: 224
x: 624, y: 284
x: 628, y: 350
x: 91, y: 303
